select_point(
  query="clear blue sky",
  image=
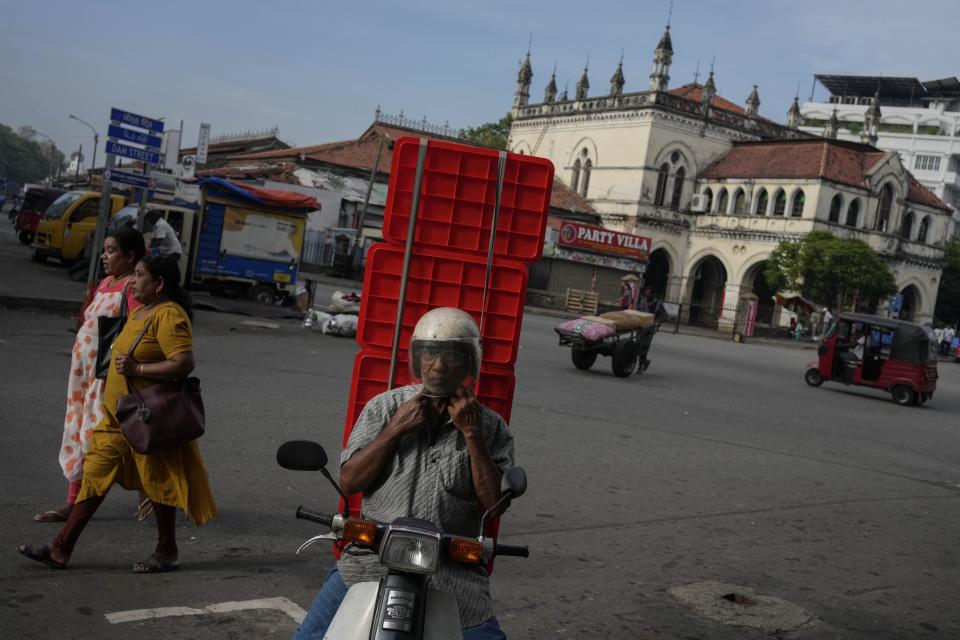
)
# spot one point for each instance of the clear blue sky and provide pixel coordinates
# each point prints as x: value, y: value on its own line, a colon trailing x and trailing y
x: 318, y: 69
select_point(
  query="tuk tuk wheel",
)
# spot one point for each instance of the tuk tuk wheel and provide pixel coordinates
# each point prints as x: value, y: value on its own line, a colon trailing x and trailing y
x: 583, y: 358
x: 625, y: 357
x: 25, y: 237
x: 813, y: 377
x: 904, y: 395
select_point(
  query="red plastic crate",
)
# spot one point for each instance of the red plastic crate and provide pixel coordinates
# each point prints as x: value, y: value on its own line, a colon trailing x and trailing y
x: 441, y: 279
x: 458, y: 194
x: 371, y: 368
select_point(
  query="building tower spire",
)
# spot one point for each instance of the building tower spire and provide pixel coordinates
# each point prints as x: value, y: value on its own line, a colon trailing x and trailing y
x: 793, y: 115
x: 662, y: 57
x: 753, y: 103
x: 583, y: 84
x: 709, y: 88
x: 521, y: 97
x: 871, y: 121
x: 617, y: 81
x: 833, y: 126
x: 550, y: 93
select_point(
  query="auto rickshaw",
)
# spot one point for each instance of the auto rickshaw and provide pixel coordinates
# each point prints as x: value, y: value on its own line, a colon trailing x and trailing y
x: 883, y: 353
x: 35, y: 203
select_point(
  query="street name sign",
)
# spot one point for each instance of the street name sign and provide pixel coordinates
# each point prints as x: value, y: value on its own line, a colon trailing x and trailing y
x: 134, y: 120
x: 136, y: 137
x: 134, y: 153
x: 133, y: 179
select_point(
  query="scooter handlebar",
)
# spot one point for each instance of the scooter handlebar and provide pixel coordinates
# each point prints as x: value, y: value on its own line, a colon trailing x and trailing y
x: 321, y: 518
x: 511, y: 550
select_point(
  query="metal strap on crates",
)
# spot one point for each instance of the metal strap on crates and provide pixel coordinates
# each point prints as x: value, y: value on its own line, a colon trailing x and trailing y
x: 501, y: 172
x: 408, y: 251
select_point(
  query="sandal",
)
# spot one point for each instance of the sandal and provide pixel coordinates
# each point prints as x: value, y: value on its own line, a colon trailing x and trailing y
x: 144, y: 509
x: 53, y: 515
x: 154, y: 564
x: 41, y: 554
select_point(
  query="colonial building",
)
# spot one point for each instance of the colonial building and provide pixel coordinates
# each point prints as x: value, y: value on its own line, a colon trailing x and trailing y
x: 717, y: 186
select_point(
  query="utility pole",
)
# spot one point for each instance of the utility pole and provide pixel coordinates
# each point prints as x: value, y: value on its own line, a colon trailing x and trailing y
x: 96, y: 141
x: 358, y: 241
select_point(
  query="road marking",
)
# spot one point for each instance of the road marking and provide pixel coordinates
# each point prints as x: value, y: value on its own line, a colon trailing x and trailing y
x: 285, y: 605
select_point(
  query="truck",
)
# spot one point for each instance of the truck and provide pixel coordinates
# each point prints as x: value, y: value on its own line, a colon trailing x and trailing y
x: 67, y: 225
x: 249, y: 240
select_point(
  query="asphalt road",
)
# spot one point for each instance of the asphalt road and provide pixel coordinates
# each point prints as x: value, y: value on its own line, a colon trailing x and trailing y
x: 719, y: 463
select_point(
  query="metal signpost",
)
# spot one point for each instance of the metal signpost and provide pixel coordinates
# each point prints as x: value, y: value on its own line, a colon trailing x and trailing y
x: 125, y: 129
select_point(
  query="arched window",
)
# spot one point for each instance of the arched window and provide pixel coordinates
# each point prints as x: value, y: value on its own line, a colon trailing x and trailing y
x: 740, y: 201
x: 762, y: 201
x: 906, y: 229
x: 799, y: 199
x: 835, y: 206
x: 780, y: 203
x: 708, y: 196
x: 853, y: 213
x: 662, y: 176
x: 587, y: 167
x: 722, y: 201
x: 575, y: 178
x: 883, y: 209
x: 677, y: 188
x: 923, y: 229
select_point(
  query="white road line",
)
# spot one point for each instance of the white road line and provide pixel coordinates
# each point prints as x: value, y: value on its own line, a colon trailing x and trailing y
x: 285, y: 605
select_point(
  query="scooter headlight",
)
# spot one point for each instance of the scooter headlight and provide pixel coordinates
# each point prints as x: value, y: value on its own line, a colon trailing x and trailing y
x: 413, y: 551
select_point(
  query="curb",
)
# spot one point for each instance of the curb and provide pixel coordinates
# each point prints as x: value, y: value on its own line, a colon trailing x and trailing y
x: 59, y: 306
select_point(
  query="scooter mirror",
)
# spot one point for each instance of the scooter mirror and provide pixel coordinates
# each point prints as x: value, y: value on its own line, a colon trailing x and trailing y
x: 301, y: 455
x: 514, y: 482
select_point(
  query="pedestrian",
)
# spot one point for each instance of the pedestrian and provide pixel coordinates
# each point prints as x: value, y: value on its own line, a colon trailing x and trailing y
x: 160, y: 334
x: 122, y: 249
x: 429, y: 451
x: 948, y: 335
x: 165, y: 240
x: 629, y: 291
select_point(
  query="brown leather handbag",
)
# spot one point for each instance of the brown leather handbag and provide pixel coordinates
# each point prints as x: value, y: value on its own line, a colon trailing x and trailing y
x: 164, y: 416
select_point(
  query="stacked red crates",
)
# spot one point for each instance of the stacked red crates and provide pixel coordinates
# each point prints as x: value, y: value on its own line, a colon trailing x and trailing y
x: 448, y: 265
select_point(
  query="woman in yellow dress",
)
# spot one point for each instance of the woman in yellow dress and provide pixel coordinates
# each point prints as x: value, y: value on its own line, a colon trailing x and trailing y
x: 170, y: 478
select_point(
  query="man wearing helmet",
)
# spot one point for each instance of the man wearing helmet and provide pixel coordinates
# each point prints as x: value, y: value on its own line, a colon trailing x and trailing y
x: 429, y: 451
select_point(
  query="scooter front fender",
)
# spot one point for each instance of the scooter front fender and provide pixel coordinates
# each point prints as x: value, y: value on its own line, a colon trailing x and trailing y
x: 355, y: 615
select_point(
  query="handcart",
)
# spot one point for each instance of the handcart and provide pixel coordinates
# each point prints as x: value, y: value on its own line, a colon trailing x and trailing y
x: 624, y: 336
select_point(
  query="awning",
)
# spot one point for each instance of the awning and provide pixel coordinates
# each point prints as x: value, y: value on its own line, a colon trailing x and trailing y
x: 272, y: 198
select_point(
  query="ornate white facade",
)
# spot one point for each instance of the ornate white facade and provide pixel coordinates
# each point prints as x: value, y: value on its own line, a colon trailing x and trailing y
x: 641, y: 159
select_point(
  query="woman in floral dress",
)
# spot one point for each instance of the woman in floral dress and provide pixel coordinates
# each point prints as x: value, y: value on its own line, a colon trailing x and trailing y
x: 122, y: 249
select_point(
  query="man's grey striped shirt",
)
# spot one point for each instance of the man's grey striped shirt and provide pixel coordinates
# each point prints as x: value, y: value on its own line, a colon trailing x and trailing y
x: 429, y: 478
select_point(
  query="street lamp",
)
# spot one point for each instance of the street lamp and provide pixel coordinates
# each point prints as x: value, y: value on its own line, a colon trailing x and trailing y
x: 96, y: 140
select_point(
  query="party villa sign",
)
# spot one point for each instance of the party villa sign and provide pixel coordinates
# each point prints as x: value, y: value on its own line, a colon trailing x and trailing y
x: 606, y: 241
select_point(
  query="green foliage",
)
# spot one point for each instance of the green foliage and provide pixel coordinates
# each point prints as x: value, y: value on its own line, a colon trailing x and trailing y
x: 826, y: 269
x: 490, y: 134
x: 948, y: 298
x: 25, y: 160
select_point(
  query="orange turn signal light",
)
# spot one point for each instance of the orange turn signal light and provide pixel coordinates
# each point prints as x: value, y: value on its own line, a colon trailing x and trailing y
x: 465, y: 550
x: 360, y: 531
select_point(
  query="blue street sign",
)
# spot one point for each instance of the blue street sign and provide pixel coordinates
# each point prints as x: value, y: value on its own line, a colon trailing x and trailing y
x: 123, y: 177
x: 143, y: 155
x: 137, y: 137
x: 133, y: 120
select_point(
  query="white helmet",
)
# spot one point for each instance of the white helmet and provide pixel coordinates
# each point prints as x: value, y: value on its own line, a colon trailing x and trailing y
x: 449, y: 335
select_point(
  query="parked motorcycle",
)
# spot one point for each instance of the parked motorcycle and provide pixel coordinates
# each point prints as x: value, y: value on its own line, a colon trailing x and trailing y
x: 400, y: 605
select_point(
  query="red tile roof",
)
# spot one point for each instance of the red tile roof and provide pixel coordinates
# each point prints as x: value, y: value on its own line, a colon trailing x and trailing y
x: 694, y: 91
x: 841, y: 162
x: 360, y: 154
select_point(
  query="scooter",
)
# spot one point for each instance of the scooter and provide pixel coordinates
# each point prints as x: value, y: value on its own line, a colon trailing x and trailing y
x: 400, y: 606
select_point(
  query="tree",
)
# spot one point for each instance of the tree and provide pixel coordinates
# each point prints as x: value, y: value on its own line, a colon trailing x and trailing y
x: 948, y: 297
x: 826, y: 269
x: 24, y: 159
x: 490, y: 134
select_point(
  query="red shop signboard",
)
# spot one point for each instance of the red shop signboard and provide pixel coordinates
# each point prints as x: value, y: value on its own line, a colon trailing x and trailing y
x: 590, y: 238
